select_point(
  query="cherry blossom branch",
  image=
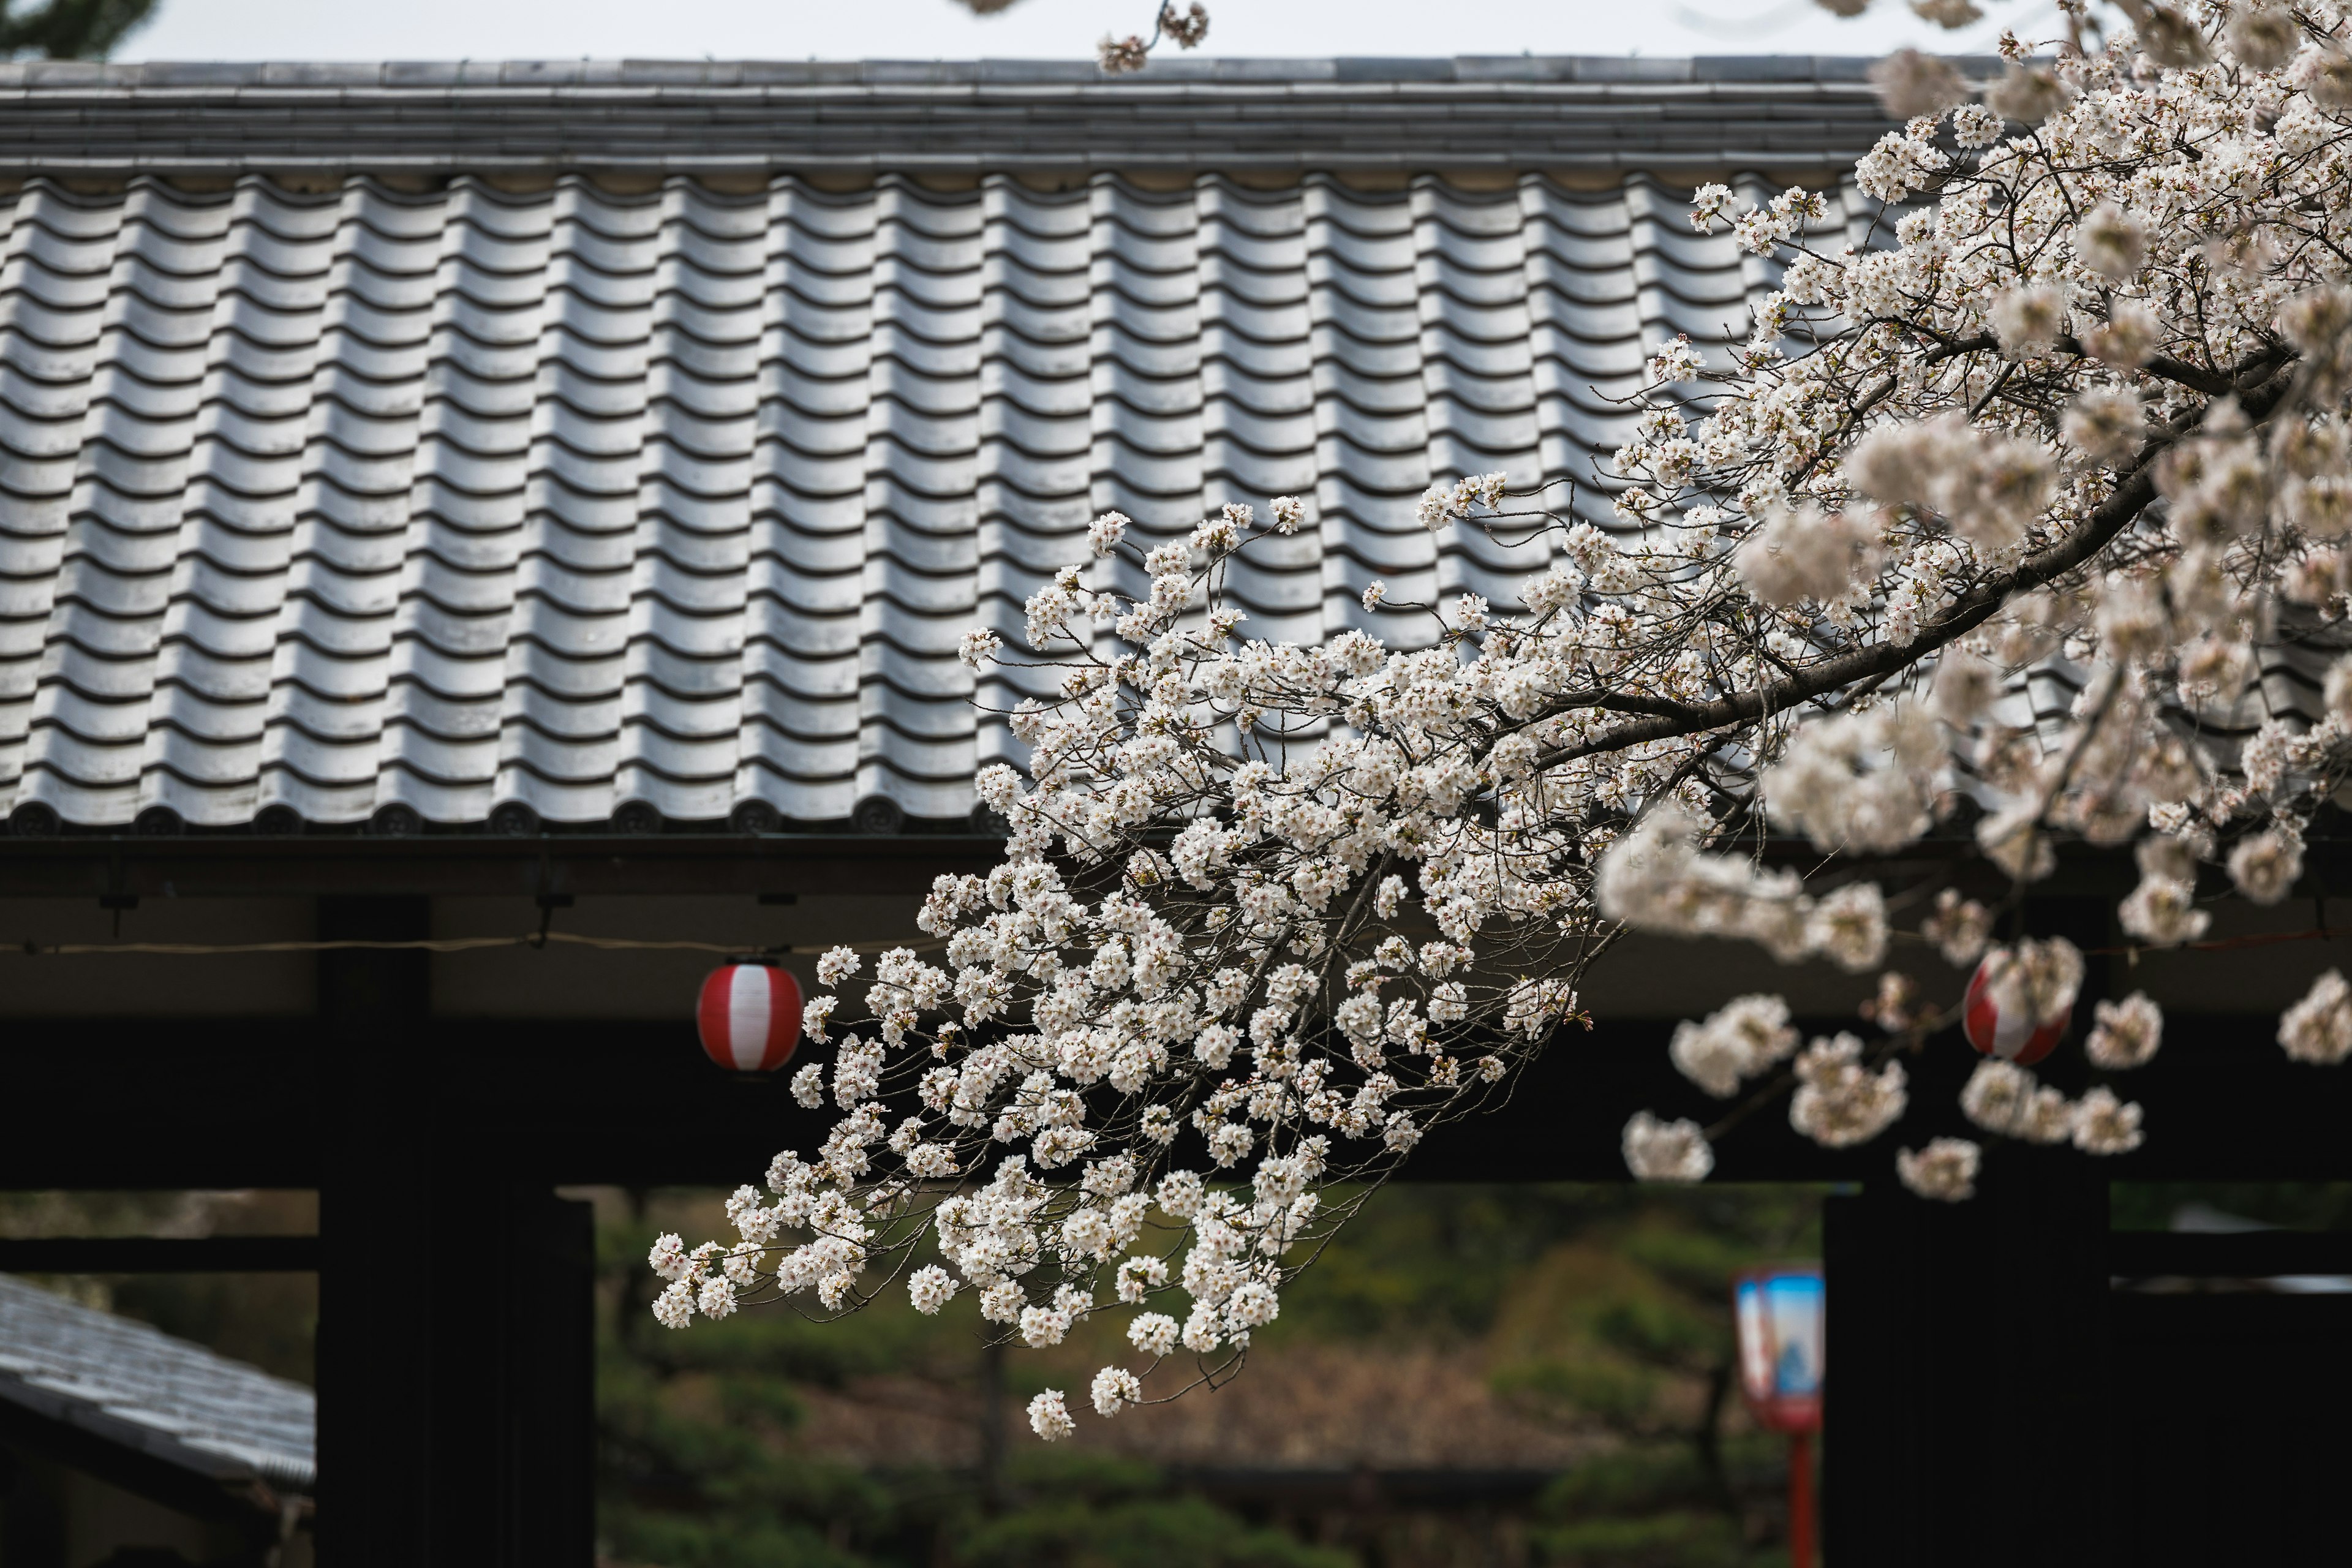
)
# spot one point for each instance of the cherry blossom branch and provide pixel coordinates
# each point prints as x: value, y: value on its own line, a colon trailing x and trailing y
x: 2131, y: 497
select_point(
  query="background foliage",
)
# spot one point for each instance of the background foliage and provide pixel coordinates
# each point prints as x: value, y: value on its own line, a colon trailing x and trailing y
x: 1599, y: 1311
x: 69, y: 29
x: 1596, y: 1312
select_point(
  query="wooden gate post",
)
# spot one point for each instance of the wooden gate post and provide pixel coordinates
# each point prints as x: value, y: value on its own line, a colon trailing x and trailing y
x: 375, y: 1347
x: 456, y: 1355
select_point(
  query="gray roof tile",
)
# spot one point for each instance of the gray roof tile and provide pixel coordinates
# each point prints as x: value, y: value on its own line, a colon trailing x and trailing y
x: 368, y: 498
x: 164, y: 1396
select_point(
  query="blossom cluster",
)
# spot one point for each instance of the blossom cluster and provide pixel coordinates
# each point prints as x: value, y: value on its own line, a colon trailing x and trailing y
x: 1268, y: 913
x: 1187, y: 29
x: 1226, y: 964
x: 2084, y: 420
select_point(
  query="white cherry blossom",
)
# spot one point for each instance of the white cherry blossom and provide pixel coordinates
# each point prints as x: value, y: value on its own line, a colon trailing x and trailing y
x: 1976, y: 543
x: 1945, y: 1171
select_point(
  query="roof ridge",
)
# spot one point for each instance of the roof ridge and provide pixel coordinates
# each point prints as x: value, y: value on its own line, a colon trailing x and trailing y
x: 1791, y: 113
x: 1465, y: 70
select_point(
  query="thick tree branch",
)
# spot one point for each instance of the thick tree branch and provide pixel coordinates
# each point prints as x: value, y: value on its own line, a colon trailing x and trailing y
x: 2130, y: 498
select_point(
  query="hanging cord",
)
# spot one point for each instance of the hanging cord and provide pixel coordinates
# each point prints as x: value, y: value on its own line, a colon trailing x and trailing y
x: 2134, y: 951
x: 2217, y: 944
x: 30, y: 949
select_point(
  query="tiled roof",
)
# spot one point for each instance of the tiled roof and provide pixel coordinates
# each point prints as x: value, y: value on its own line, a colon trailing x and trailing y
x: 383, y: 506
x: 140, y: 1387
x: 1517, y: 112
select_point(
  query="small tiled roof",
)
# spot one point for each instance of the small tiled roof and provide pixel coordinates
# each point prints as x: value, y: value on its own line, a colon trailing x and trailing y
x: 144, y: 1390
x: 362, y: 500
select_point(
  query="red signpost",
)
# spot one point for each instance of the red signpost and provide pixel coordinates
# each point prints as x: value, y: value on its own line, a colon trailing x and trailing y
x: 1778, y: 1316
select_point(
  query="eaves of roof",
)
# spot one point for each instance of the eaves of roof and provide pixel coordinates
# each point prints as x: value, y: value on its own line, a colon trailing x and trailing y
x: 1553, y: 114
x: 166, y: 1418
x: 151, y: 1464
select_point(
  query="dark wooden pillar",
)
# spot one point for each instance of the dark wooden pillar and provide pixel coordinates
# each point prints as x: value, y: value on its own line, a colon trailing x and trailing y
x: 548, y: 1420
x: 377, y: 1256
x: 514, y: 1374
x: 1967, y: 1342
x: 456, y: 1353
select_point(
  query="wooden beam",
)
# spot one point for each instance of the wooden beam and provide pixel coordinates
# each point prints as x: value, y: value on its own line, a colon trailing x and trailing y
x: 453, y: 866
x: 252, y: 1102
x: 160, y: 1255
x: 2228, y: 1254
x: 477, y: 863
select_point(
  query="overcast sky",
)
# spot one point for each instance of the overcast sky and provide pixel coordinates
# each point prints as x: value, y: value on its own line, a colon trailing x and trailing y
x: 1030, y: 29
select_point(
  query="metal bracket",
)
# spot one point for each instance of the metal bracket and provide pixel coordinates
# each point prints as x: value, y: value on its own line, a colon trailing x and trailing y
x: 116, y: 896
x: 547, y: 898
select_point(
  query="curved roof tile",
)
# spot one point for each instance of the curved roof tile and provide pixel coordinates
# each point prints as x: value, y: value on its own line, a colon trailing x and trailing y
x: 337, y: 493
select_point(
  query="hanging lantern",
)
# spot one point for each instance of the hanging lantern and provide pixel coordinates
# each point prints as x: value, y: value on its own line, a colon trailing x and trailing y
x: 1782, y: 1335
x: 2001, y: 1025
x: 1780, y: 1321
x: 750, y: 1016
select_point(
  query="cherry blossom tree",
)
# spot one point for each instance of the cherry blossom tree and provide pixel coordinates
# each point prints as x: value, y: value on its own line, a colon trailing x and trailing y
x: 1268, y: 913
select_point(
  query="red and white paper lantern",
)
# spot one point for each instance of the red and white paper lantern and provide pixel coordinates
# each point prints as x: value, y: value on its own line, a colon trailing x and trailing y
x: 750, y: 1016
x: 2001, y: 1026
